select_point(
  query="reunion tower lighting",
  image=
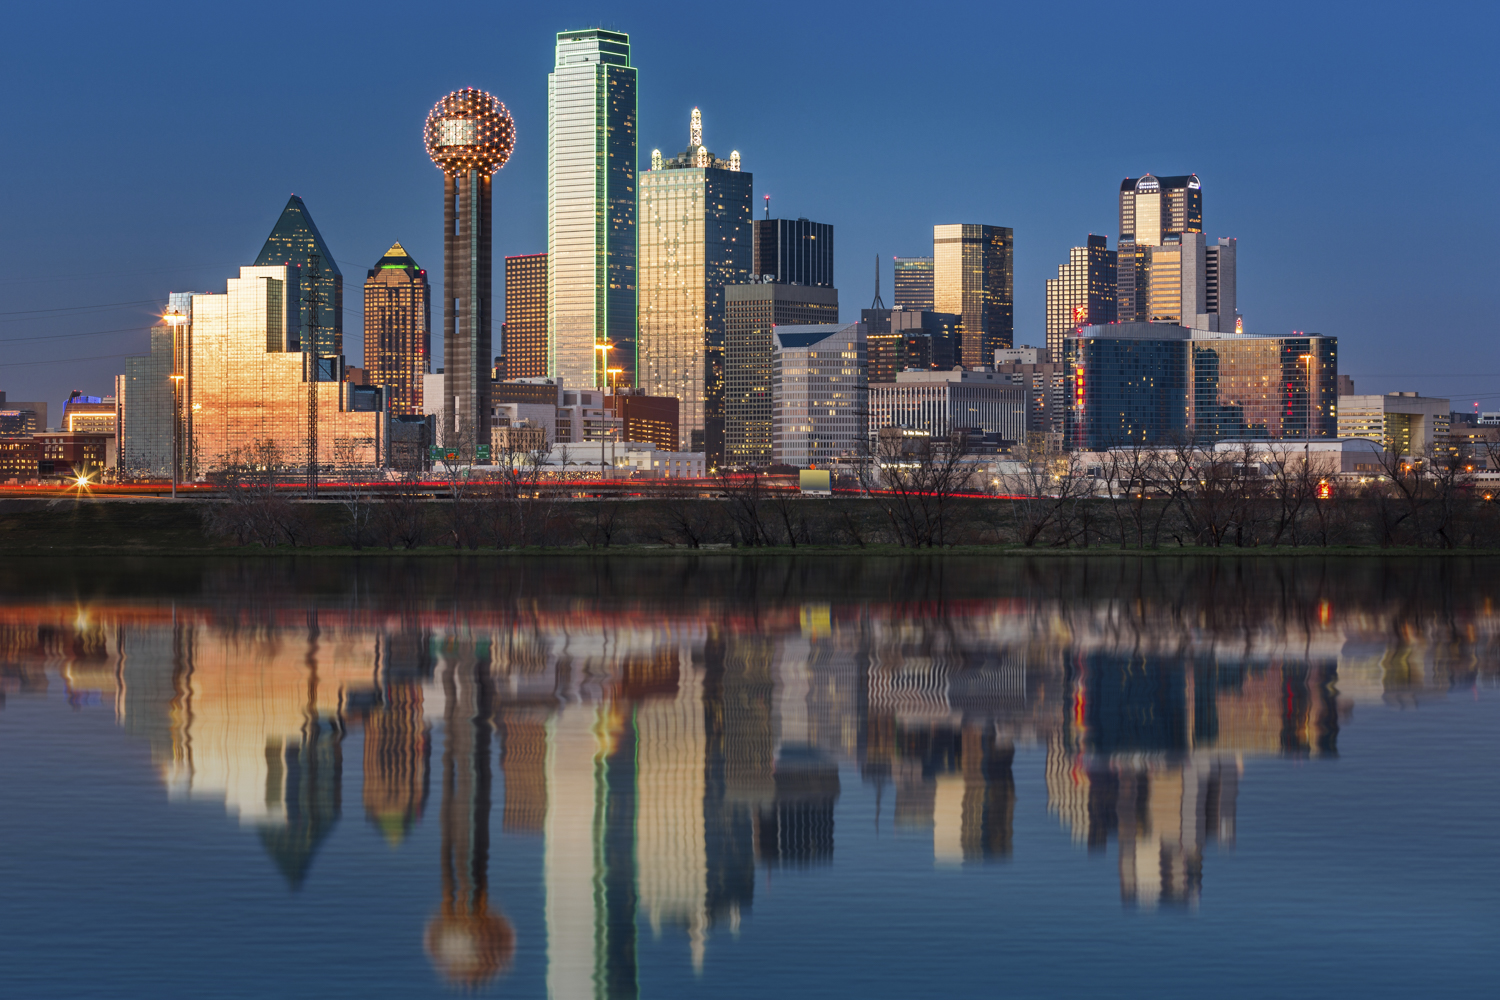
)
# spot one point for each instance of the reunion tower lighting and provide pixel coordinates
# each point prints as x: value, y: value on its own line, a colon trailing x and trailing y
x: 469, y: 135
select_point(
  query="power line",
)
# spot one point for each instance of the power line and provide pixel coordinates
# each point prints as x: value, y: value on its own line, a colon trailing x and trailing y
x: 62, y: 309
x: 59, y: 361
x: 65, y: 336
x: 113, y: 272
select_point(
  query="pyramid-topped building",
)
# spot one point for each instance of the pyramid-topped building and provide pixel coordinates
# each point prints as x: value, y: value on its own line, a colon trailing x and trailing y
x: 295, y: 241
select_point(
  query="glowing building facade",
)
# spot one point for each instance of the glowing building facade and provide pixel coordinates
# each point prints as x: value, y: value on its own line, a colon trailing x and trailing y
x: 973, y: 275
x: 525, y: 341
x: 695, y: 239
x: 398, y: 330
x: 245, y: 393
x: 591, y: 208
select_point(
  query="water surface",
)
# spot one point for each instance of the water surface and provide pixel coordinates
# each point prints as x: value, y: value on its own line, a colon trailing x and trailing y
x: 717, y: 776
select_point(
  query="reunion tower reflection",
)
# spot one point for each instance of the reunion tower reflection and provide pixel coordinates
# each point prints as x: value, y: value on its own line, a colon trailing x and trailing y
x: 465, y: 941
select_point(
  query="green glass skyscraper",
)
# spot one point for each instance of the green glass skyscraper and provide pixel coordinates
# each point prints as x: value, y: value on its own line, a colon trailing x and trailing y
x: 591, y: 205
x: 296, y: 241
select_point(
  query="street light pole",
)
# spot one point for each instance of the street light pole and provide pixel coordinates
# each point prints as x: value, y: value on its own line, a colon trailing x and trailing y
x: 176, y: 447
x: 616, y: 422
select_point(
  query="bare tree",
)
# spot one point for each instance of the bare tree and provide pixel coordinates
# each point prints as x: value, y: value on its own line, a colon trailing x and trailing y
x: 915, y: 482
x: 745, y: 496
x: 400, y: 514
x: 1045, y: 490
x: 358, y: 496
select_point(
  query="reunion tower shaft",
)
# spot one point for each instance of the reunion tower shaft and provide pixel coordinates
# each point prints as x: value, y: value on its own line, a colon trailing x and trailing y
x: 470, y: 136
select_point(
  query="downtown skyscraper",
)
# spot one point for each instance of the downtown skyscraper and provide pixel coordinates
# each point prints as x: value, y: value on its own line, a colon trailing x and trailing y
x: 1082, y: 294
x: 398, y: 329
x: 974, y: 277
x: 695, y: 239
x: 591, y: 208
x: 1152, y: 209
x: 295, y: 241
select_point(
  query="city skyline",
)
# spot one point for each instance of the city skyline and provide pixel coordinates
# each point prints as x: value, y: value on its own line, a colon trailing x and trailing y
x: 1246, y: 162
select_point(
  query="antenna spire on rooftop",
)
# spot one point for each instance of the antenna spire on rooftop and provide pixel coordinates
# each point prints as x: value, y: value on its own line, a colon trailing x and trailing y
x: 877, y: 304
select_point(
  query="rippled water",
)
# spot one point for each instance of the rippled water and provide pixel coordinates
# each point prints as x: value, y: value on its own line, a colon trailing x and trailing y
x: 730, y: 777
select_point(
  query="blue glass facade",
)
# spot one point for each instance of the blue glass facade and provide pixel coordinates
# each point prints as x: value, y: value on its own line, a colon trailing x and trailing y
x: 1156, y: 384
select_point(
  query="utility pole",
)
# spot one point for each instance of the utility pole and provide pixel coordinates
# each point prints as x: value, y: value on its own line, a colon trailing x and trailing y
x: 310, y: 365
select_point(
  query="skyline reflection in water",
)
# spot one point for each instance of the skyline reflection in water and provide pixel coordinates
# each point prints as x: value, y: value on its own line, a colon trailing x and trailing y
x: 676, y: 735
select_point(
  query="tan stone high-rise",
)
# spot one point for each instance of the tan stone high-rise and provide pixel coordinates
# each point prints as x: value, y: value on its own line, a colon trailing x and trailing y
x: 398, y: 329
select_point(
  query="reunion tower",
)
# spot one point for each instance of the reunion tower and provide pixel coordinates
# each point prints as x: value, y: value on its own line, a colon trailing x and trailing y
x: 469, y: 135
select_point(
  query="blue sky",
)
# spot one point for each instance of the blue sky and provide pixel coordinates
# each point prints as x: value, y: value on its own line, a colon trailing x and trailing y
x: 1352, y: 150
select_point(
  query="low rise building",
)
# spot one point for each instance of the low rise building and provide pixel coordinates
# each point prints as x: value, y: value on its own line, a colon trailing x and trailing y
x: 645, y: 418
x: 1407, y: 422
x: 19, y: 458
x: 18, y: 417
x: 61, y: 455
x: 83, y: 414
x: 939, y: 403
x: 1045, y: 382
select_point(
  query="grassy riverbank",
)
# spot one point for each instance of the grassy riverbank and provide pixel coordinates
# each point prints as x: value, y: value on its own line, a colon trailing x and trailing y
x: 642, y: 530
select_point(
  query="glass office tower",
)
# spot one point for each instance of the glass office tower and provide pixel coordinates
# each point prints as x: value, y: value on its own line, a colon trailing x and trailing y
x: 1082, y: 294
x: 913, y: 283
x: 695, y: 238
x: 246, y: 398
x: 1157, y: 383
x: 973, y: 276
x: 295, y: 240
x: 398, y: 329
x: 591, y: 208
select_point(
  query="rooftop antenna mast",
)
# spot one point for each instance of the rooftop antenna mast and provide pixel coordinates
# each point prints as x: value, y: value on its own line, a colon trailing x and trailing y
x: 768, y: 205
x: 877, y: 304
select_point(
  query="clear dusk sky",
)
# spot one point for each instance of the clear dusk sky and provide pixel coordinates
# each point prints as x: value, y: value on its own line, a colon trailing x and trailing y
x: 1354, y: 150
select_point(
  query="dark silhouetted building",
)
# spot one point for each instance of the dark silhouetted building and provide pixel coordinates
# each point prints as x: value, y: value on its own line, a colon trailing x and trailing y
x: 794, y: 252
x: 901, y: 339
